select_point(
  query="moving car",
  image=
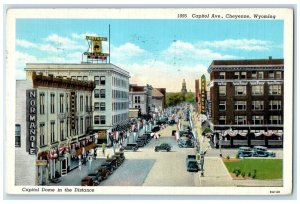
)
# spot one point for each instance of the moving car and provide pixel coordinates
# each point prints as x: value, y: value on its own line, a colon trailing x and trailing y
x: 245, y: 152
x: 163, y: 146
x: 191, y: 163
x: 130, y: 146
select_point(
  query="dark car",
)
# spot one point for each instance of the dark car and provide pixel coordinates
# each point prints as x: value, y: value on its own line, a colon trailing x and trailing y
x: 156, y: 128
x: 113, y: 161
x: 104, y: 171
x: 96, y: 177
x: 120, y: 156
x: 148, y: 136
x: 186, y: 142
x: 245, y: 152
x: 109, y: 166
x: 162, y: 121
x: 171, y: 122
x: 163, y: 146
x: 130, y: 146
x: 87, y: 181
x: 141, y: 142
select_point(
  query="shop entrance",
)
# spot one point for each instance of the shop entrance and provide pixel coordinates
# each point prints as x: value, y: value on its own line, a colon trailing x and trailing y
x: 64, y: 166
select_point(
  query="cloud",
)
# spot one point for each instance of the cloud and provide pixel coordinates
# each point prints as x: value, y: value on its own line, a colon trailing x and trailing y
x: 64, y: 43
x: 81, y: 36
x: 25, y: 43
x: 239, y: 44
x: 126, y: 52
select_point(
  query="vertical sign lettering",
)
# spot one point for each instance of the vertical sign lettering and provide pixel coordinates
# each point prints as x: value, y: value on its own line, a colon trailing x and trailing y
x: 72, y: 110
x: 31, y: 120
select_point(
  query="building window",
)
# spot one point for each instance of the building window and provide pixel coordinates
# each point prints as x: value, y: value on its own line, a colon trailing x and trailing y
x: 137, y: 99
x: 97, y: 120
x: 257, y: 105
x: 42, y: 103
x: 275, y: 105
x: 102, y: 93
x: 42, y: 134
x: 240, y: 105
x: 73, y: 77
x: 236, y: 75
x: 97, y: 80
x: 243, y: 75
x: 278, y: 75
x: 52, y: 132
x: 254, y: 75
x: 79, y: 78
x: 81, y: 103
x: 257, y: 90
x: 258, y: 119
x: 96, y: 93
x: 61, y: 103
x: 240, y: 90
x: 102, y: 106
x: 240, y: 120
x: 275, y: 119
x: 260, y: 75
x: 222, y: 106
x: 52, y: 103
x: 81, y: 125
x: 271, y: 74
x: 87, y: 104
x: 222, y: 90
x: 275, y: 89
x: 61, y: 130
x: 102, y: 119
x: 17, y: 135
x: 102, y: 80
x: 222, y: 120
x: 85, y: 78
x: 97, y: 106
x: 222, y: 75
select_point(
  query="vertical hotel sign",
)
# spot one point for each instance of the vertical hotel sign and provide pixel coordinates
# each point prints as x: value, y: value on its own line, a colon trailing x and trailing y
x: 31, y: 121
x: 72, y: 110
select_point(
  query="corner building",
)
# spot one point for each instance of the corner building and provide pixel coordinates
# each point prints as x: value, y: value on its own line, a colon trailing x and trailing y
x: 110, y: 98
x: 246, y: 102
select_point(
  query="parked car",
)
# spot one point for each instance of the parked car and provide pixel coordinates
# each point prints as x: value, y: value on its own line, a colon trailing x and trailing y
x: 245, y: 152
x: 120, y: 156
x: 156, y: 128
x: 147, y: 136
x: 162, y: 121
x: 186, y: 142
x: 104, y: 171
x: 130, y: 146
x: 171, y: 122
x: 113, y: 161
x: 87, y: 181
x: 141, y: 142
x: 261, y: 151
x: 109, y: 166
x: 96, y: 177
x: 163, y: 146
x: 191, y: 163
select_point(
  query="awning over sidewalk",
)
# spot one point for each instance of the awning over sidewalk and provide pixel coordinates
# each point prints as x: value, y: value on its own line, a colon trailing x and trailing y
x: 86, y: 148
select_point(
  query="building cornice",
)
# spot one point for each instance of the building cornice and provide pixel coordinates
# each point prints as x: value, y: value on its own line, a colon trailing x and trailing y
x: 227, y: 68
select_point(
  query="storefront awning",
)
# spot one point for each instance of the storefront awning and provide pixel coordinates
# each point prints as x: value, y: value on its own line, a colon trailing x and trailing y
x: 86, y: 148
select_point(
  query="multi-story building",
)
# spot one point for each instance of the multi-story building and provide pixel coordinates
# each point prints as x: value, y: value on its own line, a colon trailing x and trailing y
x: 246, y: 101
x: 158, y: 99
x: 110, y: 96
x: 140, y: 97
x: 53, y: 115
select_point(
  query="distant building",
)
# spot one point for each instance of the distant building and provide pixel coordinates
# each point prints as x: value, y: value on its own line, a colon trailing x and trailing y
x: 197, y: 91
x: 140, y: 97
x: 157, y: 101
x: 183, y: 88
x: 246, y: 101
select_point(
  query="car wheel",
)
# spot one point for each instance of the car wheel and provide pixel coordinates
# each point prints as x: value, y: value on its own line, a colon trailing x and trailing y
x: 155, y: 149
x: 168, y: 150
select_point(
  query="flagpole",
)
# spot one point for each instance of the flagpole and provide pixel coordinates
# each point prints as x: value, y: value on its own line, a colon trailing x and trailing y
x: 109, y: 42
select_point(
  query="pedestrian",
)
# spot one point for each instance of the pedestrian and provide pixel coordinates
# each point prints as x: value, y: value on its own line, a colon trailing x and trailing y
x: 103, y: 149
x: 95, y: 153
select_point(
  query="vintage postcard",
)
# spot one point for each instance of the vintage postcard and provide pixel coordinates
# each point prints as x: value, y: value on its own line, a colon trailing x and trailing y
x: 149, y: 101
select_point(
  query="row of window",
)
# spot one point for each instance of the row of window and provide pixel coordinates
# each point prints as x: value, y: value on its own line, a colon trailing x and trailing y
x: 256, y: 90
x: 256, y: 120
x: 120, y: 82
x: 63, y: 103
x: 63, y: 131
x: 256, y: 105
x: 99, y: 93
x: 84, y: 78
x: 120, y: 106
x: 99, y: 80
x: 254, y: 75
x: 119, y: 94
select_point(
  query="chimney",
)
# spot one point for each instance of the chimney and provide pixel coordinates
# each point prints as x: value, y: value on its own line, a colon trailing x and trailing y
x: 270, y: 57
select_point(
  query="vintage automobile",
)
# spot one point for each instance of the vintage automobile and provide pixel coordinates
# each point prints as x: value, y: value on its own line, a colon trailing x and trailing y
x: 156, y: 128
x: 147, y: 135
x: 191, y: 163
x: 141, y: 142
x: 104, y: 172
x: 109, y: 166
x: 130, y: 146
x: 185, y: 142
x: 163, y: 146
x: 171, y: 122
x: 162, y: 121
x: 114, y: 161
x: 120, y: 156
x: 96, y: 177
x: 87, y: 181
x: 245, y: 152
x: 261, y: 151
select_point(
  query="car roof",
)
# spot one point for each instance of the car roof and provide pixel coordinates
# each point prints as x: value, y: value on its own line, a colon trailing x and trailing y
x: 260, y: 147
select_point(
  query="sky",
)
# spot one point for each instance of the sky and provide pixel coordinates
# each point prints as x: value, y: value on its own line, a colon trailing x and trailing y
x: 158, y: 52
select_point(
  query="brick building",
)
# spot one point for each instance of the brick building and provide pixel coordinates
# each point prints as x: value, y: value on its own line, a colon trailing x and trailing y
x: 246, y: 101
